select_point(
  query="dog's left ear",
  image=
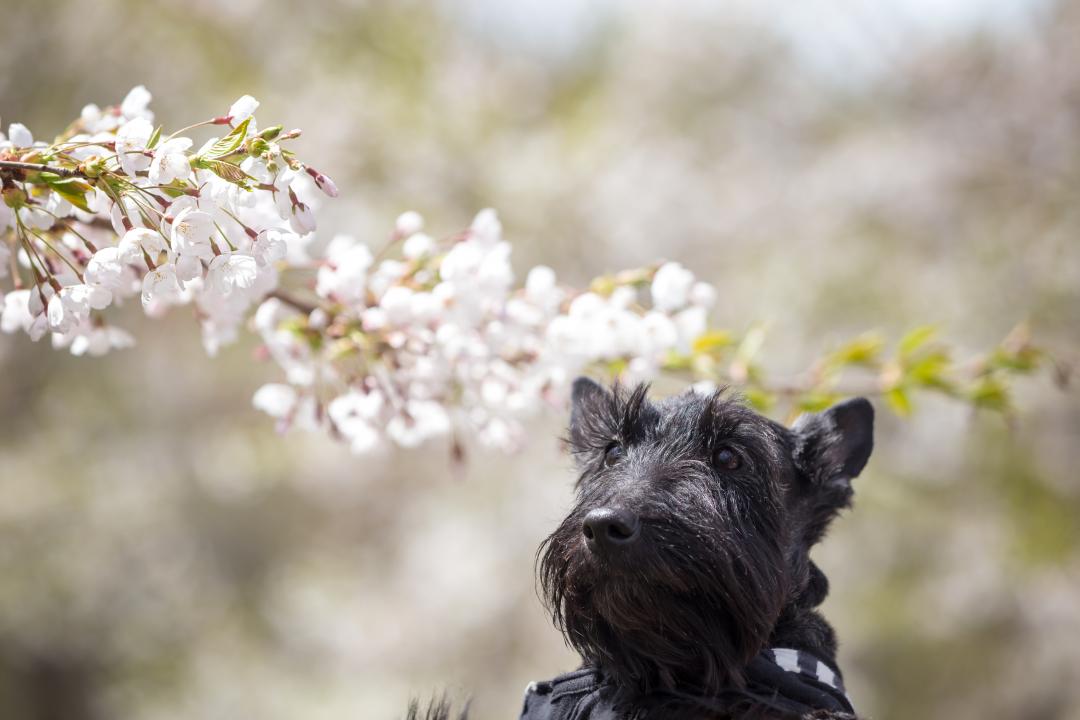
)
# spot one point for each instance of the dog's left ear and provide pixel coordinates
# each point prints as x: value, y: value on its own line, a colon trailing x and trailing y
x: 832, y: 447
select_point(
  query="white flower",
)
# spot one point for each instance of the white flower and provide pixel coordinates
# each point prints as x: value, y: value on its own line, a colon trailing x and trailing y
x: 36, y: 217
x: 486, y: 227
x: 131, y: 140
x: 388, y: 273
x: 660, y: 334
x: 93, y: 121
x: 137, y: 241
x: 478, y: 272
x: 421, y: 420
x: 16, y: 313
x: 353, y: 414
x: 160, y: 286
x: 671, y: 287
x: 324, y: 183
x: 136, y: 102
x: 38, y: 299
x: 275, y: 399
x: 229, y: 272
x: 242, y: 109
x: 107, y: 269
x: 541, y: 289
x: 97, y: 341
x: 71, y: 306
x: 396, y: 302
x: 271, y: 245
x: 344, y: 276
x: 691, y: 323
x: 188, y: 268
x: 302, y: 219
x: 170, y: 163
x: 61, y: 318
x: 191, y: 233
x: 408, y: 223
x: 704, y: 387
x: 20, y: 136
x: 703, y: 295
x: 417, y: 245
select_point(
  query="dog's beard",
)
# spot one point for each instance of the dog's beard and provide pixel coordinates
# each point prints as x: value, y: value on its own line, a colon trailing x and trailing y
x: 683, y: 613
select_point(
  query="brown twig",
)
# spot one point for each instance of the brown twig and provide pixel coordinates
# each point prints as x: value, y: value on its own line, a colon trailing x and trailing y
x: 38, y: 167
x: 301, y: 305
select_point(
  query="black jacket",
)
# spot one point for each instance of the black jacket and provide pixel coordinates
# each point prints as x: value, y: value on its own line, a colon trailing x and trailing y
x: 789, y: 682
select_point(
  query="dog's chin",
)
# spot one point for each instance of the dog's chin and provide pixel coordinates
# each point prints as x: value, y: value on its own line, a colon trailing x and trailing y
x: 648, y: 637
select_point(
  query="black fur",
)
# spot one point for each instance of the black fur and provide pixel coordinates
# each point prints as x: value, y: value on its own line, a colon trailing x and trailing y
x: 713, y: 509
x: 438, y: 708
x: 722, y: 568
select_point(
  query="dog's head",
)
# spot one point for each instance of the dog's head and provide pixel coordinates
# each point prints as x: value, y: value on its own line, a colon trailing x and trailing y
x: 692, y: 530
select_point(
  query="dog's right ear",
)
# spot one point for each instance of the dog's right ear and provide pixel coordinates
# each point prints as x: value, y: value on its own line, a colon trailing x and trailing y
x: 831, y: 448
x: 834, y: 445
x: 589, y: 401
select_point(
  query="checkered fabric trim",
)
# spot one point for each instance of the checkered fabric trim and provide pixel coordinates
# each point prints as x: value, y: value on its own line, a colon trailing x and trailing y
x: 809, y: 666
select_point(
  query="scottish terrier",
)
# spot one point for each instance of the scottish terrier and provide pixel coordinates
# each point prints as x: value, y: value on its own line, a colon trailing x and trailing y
x: 682, y: 575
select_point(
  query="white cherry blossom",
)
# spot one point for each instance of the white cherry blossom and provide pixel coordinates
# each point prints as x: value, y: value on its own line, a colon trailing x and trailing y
x: 170, y: 162
x: 160, y: 286
x: 242, y: 109
x: 230, y: 272
x: 131, y: 141
x: 671, y: 286
x: 20, y: 135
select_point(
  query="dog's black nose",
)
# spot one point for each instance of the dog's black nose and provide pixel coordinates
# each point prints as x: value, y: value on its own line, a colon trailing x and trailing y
x: 610, y: 528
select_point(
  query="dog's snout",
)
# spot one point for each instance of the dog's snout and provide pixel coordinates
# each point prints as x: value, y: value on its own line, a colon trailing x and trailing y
x: 610, y: 528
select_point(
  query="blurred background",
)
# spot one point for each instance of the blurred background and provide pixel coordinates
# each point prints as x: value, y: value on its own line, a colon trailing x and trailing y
x: 832, y: 166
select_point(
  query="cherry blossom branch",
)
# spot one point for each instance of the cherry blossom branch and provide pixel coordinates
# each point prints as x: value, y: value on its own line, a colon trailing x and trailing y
x: 39, y: 167
x: 423, y: 339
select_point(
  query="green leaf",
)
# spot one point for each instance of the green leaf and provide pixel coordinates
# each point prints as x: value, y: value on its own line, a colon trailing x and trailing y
x: 915, y: 339
x: 712, y: 341
x: 153, y: 141
x: 228, y: 144
x: 616, y: 367
x: 1024, y: 360
x: 676, y: 361
x: 816, y: 401
x: 991, y: 393
x: 226, y: 171
x: 930, y: 369
x: 898, y: 399
x: 71, y: 189
x: 863, y: 350
x: 759, y: 399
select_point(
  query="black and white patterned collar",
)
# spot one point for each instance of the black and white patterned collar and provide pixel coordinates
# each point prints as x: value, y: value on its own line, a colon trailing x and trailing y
x: 802, y: 677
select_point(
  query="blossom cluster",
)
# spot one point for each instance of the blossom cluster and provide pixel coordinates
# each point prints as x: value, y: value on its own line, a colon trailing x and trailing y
x: 439, y: 340
x: 112, y: 209
x: 419, y: 339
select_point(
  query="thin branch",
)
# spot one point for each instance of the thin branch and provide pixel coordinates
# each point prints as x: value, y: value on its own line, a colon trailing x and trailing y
x: 39, y: 167
x: 304, y: 307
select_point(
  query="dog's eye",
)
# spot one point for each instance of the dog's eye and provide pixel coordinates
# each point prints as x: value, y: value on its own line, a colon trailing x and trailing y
x: 613, y: 454
x: 727, y: 459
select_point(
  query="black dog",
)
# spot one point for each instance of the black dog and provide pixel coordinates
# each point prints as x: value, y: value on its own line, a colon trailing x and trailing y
x: 682, y: 574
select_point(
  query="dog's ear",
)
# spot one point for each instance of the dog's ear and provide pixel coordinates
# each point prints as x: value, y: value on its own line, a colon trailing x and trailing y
x: 831, y: 448
x: 588, y: 401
